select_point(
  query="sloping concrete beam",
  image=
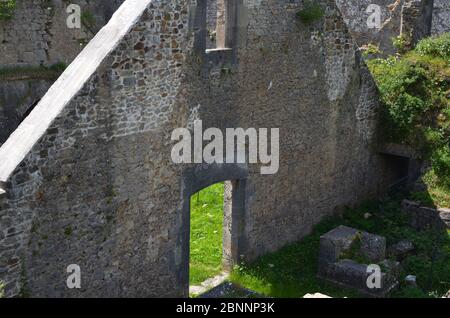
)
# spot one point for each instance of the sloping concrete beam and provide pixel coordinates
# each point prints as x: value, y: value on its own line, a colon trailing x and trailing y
x: 22, y: 140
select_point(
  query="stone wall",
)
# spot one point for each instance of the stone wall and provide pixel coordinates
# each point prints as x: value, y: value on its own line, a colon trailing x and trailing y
x: 356, y: 15
x: 16, y: 98
x: 417, y: 16
x: 44, y: 40
x: 410, y: 17
x: 100, y: 190
x: 441, y: 17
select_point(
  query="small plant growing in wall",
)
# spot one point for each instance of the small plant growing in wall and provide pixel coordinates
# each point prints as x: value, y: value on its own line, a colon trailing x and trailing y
x: 311, y: 12
x: 371, y: 50
x: 88, y: 19
x: 401, y: 43
x: 7, y: 8
x: 68, y: 231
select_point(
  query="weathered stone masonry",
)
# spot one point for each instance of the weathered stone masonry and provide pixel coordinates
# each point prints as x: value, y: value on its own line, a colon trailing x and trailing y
x: 36, y: 36
x: 99, y: 188
x: 441, y: 17
x: 38, y: 33
x: 412, y: 18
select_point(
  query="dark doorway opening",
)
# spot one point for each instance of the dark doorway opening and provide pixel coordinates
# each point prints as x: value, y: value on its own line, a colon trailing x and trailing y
x: 396, y: 170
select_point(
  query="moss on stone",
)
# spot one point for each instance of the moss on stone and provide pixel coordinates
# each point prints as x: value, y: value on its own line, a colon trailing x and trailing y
x: 311, y: 12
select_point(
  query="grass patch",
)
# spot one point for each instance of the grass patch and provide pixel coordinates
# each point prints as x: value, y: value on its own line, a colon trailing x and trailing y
x: 291, y: 271
x: 436, y: 195
x: 206, y: 234
x: 32, y: 72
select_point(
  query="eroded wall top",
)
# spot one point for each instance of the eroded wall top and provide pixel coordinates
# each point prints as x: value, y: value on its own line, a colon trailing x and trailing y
x: 377, y: 22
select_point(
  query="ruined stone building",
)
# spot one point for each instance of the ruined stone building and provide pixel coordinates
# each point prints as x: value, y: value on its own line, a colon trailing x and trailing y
x: 87, y: 177
x: 415, y: 18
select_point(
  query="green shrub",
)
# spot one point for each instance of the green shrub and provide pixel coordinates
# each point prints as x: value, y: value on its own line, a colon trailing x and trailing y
x: 311, y: 12
x: 415, y: 91
x: 435, y: 46
x: 7, y: 8
x: 400, y: 43
x: 371, y: 50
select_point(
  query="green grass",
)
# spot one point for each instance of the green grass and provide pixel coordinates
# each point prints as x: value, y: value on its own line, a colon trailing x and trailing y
x: 291, y: 271
x: 32, y: 72
x: 206, y: 234
x: 436, y: 195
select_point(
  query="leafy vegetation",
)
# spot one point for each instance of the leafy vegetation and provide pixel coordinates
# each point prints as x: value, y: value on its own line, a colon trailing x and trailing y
x: 401, y: 43
x: 436, y: 194
x: 291, y: 271
x: 206, y: 234
x: 311, y: 12
x: 7, y: 8
x: 415, y: 89
x: 370, y: 50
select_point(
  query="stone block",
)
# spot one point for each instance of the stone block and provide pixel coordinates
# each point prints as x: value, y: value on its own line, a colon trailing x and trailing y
x: 411, y: 280
x: 444, y: 215
x: 373, y: 247
x: 337, y: 241
x: 333, y: 243
x: 422, y: 218
x: 401, y: 249
x: 351, y: 274
x: 348, y: 272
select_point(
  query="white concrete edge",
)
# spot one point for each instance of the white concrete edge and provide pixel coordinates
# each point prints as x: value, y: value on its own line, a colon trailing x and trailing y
x: 2, y: 189
x: 22, y: 140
